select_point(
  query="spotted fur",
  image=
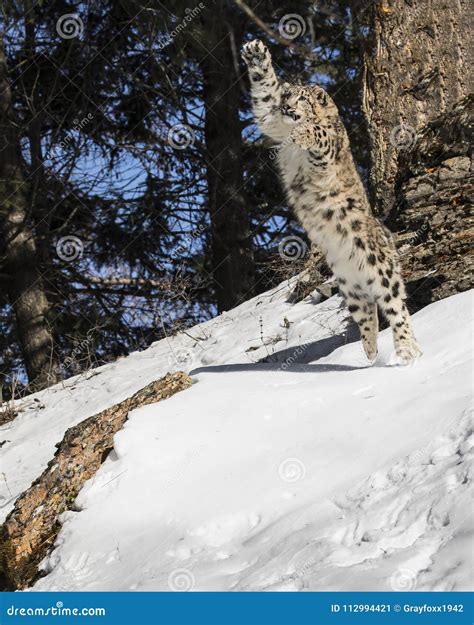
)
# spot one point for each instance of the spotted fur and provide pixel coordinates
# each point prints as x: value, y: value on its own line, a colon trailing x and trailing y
x: 328, y: 197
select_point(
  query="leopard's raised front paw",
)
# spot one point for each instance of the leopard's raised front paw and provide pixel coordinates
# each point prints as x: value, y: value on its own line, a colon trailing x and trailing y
x: 255, y: 53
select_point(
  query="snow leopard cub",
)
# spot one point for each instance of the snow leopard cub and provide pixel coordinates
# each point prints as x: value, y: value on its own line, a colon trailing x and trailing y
x: 328, y: 197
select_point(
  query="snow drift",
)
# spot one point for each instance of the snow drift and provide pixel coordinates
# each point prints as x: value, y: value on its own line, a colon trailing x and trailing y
x: 289, y: 465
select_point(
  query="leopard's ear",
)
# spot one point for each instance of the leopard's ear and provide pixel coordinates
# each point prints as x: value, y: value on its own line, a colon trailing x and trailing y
x: 322, y: 97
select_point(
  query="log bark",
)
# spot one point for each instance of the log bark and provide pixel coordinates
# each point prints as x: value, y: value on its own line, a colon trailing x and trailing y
x: 31, y: 528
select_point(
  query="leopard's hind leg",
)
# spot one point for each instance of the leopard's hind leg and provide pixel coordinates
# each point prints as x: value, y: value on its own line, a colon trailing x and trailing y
x: 364, y: 313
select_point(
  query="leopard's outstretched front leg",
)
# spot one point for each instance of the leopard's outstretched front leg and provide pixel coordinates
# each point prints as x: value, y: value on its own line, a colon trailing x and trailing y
x: 395, y: 310
x: 265, y: 90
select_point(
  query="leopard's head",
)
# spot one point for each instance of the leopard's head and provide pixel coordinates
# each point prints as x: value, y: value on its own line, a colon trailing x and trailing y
x: 304, y: 103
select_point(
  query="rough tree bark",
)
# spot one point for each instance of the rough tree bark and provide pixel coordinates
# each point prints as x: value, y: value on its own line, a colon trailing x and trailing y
x: 232, y: 250
x: 419, y: 64
x: 25, y: 287
x: 418, y: 74
x: 434, y: 217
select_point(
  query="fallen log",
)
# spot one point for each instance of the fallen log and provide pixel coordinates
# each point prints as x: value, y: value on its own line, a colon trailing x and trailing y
x: 31, y: 528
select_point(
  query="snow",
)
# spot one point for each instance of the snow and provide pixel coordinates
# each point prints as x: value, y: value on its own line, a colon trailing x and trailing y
x: 256, y: 326
x: 310, y: 471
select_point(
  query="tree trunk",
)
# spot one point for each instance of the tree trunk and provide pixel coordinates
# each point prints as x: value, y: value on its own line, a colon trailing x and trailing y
x: 232, y: 249
x: 25, y: 287
x: 419, y: 65
x: 417, y: 76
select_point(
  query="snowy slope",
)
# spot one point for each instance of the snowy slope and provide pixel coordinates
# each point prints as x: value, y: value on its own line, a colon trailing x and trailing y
x: 273, y: 476
x: 246, y: 334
